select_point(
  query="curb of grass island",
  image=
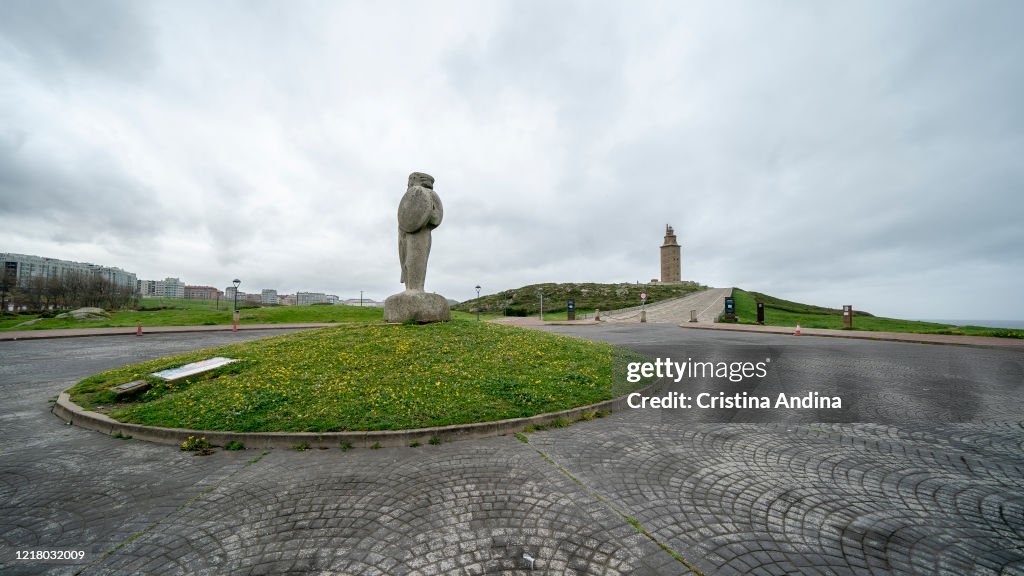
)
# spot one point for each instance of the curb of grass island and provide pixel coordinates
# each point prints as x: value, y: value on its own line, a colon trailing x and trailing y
x: 72, y: 413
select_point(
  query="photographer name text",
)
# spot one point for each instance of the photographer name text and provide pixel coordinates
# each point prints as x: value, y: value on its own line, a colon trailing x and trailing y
x: 733, y: 371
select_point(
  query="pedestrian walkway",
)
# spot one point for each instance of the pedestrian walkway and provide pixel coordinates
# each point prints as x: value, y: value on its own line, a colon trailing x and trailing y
x: 707, y: 304
x: 869, y: 335
x: 75, y: 332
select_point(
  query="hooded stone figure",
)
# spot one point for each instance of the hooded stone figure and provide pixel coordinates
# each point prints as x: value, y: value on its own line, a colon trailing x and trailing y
x: 419, y: 212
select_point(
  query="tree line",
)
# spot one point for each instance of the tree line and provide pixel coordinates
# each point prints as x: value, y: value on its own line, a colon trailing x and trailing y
x: 71, y: 290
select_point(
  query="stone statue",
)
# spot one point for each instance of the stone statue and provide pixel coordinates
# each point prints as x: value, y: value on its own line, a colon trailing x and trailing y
x: 419, y: 212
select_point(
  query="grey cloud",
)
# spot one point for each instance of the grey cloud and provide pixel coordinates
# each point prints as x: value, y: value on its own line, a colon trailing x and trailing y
x: 77, y: 200
x: 108, y: 37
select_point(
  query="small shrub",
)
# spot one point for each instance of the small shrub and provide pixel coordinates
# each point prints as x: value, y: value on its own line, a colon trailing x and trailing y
x: 435, y: 441
x: 414, y: 444
x: 234, y: 445
x: 200, y: 446
x: 301, y: 447
x: 376, y: 446
x: 122, y: 436
x: 558, y: 423
x: 346, y: 445
x: 522, y: 438
x: 588, y: 416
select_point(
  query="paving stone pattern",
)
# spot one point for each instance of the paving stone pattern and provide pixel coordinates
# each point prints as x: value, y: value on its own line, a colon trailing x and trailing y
x: 900, y: 496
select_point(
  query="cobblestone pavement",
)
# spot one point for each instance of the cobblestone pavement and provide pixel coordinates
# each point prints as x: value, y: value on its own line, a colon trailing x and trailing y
x: 927, y: 488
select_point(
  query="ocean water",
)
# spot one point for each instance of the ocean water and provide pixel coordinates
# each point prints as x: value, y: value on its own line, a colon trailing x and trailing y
x: 1014, y: 324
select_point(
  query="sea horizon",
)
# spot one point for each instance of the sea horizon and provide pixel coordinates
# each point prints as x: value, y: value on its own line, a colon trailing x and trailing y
x: 1010, y: 324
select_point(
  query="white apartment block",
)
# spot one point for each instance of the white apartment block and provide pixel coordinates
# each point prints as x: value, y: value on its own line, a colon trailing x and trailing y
x: 307, y: 298
x: 170, y: 288
x: 268, y: 296
x: 166, y: 288
x: 363, y: 302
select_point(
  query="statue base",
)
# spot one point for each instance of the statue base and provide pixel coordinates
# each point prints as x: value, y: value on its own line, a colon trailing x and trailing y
x: 416, y: 306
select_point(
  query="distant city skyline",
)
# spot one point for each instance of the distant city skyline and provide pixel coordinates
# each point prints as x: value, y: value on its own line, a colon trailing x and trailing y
x: 829, y: 153
x: 26, y: 266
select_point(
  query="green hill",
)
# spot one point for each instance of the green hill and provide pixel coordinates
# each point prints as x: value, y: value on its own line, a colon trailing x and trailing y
x: 588, y: 296
x: 773, y: 303
x: 779, y: 312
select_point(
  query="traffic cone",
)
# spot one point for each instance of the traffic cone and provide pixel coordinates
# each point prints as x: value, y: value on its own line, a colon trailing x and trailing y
x: 797, y: 333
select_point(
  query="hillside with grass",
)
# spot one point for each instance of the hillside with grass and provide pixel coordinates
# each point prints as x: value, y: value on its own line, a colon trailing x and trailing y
x: 588, y: 296
x: 779, y: 312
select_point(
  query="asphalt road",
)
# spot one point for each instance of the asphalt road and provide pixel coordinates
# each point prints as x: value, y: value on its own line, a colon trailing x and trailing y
x: 927, y: 479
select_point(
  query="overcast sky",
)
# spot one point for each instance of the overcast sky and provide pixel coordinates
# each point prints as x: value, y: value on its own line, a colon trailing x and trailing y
x: 865, y: 153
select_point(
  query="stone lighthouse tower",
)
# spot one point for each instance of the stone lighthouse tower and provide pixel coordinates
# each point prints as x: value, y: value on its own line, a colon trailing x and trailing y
x: 671, y: 265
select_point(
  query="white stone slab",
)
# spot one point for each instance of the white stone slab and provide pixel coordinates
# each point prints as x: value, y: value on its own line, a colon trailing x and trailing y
x: 193, y: 368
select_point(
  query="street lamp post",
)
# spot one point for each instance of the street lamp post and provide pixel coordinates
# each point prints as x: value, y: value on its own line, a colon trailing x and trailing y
x: 477, y: 302
x: 234, y: 327
x: 540, y: 295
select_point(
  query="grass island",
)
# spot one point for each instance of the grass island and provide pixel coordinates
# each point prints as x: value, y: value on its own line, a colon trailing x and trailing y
x: 370, y: 377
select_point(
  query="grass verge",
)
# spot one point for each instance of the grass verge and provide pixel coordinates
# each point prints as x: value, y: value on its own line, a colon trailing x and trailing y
x: 190, y: 313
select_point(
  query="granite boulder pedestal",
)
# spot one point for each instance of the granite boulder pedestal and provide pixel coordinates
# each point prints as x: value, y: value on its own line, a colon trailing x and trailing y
x: 416, y: 306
